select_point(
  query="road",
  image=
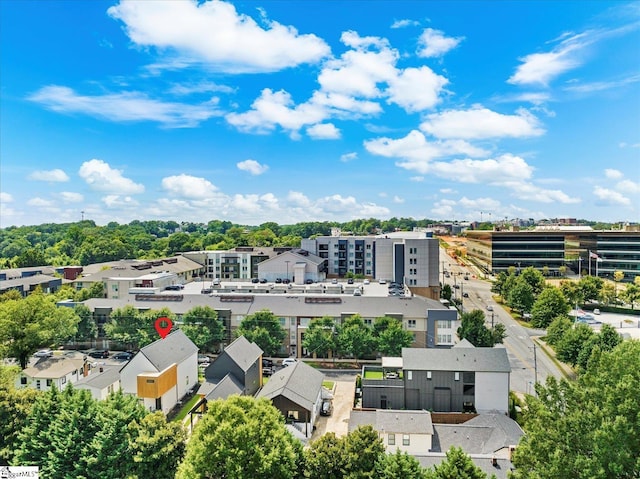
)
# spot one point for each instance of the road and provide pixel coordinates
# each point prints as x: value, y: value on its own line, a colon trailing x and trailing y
x: 528, y: 362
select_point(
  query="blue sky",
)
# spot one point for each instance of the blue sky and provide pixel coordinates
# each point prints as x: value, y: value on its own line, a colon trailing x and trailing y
x: 291, y: 111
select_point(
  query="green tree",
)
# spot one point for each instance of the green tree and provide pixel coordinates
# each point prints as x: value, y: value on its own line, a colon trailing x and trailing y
x: 631, y: 294
x: 606, y: 340
x: 572, y: 293
x: 362, y: 449
x: 202, y: 326
x: 572, y: 343
x: 457, y: 465
x: 556, y: 330
x: 590, y: 287
x: 607, y: 293
x: 31, y: 257
x: 472, y: 329
x: 399, y: 465
x: 521, y: 296
x: 324, y: 459
x: 87, y: 328
x: 15, y: 405
x: 320, y: 337
x: 549, y: 305
x: 588, y: 428
x: 31, y: 323
x: 390, y: 336
x: 356, y: 338
x: 533, y: 278
x: 156, y: 446
x: 130, y: 327
x: 264, y: 329
x: 446, y: 292
x: 241, y: 437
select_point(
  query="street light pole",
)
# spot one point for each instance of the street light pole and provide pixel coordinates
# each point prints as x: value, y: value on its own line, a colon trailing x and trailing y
x: 287, y: 262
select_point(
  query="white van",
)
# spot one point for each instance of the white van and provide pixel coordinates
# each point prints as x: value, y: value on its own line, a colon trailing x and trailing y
x: 288, y: 362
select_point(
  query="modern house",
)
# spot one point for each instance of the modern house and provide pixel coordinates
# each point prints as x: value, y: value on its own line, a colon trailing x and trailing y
x: 103, y: 381
x: 237, y: 370
x: 163, y: 372
x: 58, y: 371
x: 406, y: 431
x: 459, y: 379
x: 296, y: 391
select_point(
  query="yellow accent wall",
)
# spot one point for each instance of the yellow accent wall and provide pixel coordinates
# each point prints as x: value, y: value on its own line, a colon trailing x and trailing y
x: 154, y: 385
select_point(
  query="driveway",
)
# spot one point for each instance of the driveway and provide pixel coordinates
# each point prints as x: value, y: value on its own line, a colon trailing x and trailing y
x: 338, y: 422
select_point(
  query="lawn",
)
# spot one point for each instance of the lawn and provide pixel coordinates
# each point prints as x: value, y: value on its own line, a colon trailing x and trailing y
x: 328, y: 385
x: 186, y: 408
x: 368, y: 374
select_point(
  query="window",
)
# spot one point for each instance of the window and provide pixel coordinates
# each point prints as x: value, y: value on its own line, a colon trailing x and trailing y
x: 37, y: 384
x: 409, y: 375
x: 406, y: 441
x: 428, y: 374
x: 63, y: 380
x: 391, y: 439
x: 283, y: 321
x: 456, y: 376
x: 49, y: 382
x: 151, y: 381
x: 23, y: 380
x: 367, y: 322
x: 411, y: 323
x: 444, y: 323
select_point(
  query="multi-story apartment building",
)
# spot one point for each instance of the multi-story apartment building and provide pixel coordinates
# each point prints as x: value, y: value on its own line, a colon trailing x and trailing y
x: 578, y: 248
x: 408, y: 257
x: 238, y: 263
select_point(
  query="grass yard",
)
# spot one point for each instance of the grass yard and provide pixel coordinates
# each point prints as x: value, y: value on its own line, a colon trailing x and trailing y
x: 373, y: 374
x: 186, y: 408
x: 328, y: 385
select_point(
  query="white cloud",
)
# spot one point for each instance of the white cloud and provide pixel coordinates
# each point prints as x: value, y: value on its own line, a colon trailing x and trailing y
x: 71, y: 197
x: 541, y: 68
x: 610, y: 198
x: 613, y: 174
x: 398, y: 200
x: 447, y: 191
x: 349, y: 157
x: 187, y: 186
x: 500, y: 170
x: 629, y: 186
x: 480, y: 123
x: 417, y: 179
x: 527, y: 191
x: 602, y: 85
x: 101, y: 177
x: 404, y: 23
x: 252, y: 166
x: 627, y: 145
x: 214, y: 33
x: 56, y: 175
x: 324, y: 131
x: 200, y: 87
x: 5, y: 197
x: 298, y: 199
x: 416, y: 89
x: 38, y: 202
x: 124, y: 107
x: 480, y: 204
x: 433, y: 43
x: 116, y: 201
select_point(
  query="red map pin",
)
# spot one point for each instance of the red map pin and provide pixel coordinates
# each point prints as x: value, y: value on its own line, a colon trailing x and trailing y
x: 163, y: 326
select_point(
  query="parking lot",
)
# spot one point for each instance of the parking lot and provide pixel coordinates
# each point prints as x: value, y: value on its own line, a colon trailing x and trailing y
x: 338, y: 422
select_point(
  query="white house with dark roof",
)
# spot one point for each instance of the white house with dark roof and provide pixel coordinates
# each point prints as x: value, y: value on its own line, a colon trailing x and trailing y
x: 407, y: 431
x: 459, y: 379
x: 102, y: 381
x: 58, y: 371
x: 298, y: 266
x: 163, y: 372
x: 296, y: 391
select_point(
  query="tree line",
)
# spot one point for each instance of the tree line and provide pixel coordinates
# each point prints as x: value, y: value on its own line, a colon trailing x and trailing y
x: 85, y: 243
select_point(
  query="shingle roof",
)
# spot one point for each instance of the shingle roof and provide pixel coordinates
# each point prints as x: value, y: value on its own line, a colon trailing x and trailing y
x: 53, y: 368
x: 243, y: 352
x: 299, y: 383
x: 175, y: 348
x: 456, y: 359
x: 394, y: 421
x: 484, y: 434
x: 101, y: 380
x: 222, y: 389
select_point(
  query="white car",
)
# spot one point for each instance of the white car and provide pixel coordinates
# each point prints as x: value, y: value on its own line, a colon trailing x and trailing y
x: 382, y: 281
x: 366, y: 281
x: 288, y: 362
x: 44, y: 353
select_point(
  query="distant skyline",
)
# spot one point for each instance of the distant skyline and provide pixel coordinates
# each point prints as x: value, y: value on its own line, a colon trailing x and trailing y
x: 292, y: 111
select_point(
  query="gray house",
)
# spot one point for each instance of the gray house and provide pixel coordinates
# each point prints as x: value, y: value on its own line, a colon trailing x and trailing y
x: 296, y: 391
x: 237, y: 370
x: 460, y: 379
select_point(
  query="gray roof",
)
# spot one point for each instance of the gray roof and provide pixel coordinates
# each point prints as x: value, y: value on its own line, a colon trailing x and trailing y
x: 484, y: 434
x: 53, y: 368
x: 127, y: 268
x: 175, y: 348
x: 222, y: 389
x: 243, y: 353
x: 393, y: 420
x: 100, y: 380
x: 296, y: 256
x: 300, y: 383
x: 456, y: 359
x: 286, y: 304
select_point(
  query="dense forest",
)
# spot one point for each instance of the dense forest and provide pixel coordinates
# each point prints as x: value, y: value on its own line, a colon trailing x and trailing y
x: 84, y: 242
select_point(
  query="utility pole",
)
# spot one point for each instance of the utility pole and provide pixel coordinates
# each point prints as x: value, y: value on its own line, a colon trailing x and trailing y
x: 491, y: 319
x: 535, y: 364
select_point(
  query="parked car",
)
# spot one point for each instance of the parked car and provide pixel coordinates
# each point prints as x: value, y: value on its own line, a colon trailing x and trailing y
x: 286, y: 281
x: 366, y: 281
x: 596, y: 311
x: 465, y: 295
x: 263, y: 281
x: 255, y: 280
x: 203, y: 358
x: 309, y: 281
x: 350, y: 281
x: 278, y: 280
x: 357, y: 292
x: 382, y: 281
x: 489, y: 307
x: 326, y: 408
x: 334, y: 281
x: 123, y: 356
x: 99, y: 353
x: 174, y: 287
x: 44, y: 353
x: 267, y: 363
x: 288, y: 362
x: 268, y: 371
